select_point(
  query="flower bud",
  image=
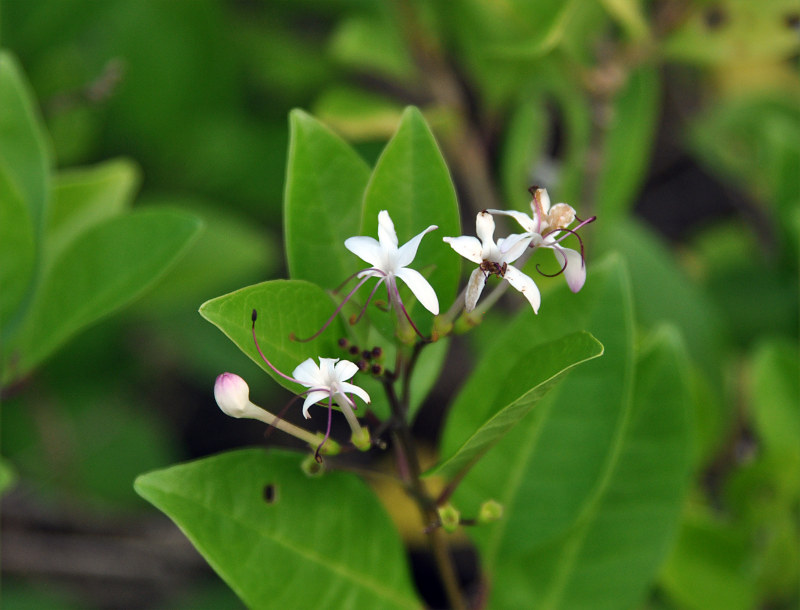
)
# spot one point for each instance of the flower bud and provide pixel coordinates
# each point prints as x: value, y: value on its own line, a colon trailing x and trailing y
x: 232, y: 395
x: 490, y: 511
x: 450, y: 517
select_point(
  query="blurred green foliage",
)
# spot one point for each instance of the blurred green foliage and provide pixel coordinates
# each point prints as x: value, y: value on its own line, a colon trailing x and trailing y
x: 189, y: 101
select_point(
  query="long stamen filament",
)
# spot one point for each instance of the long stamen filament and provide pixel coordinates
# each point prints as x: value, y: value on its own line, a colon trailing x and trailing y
x: 294, y: 337
x: 258, y: 347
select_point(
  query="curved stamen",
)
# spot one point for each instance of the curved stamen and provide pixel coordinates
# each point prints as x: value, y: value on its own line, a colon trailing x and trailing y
x: 366, y: 304
x: 317, y: 456
x: 563, y: 237
x: 394, y: 295
x: 559, y: 272
x: 294, y: 337
x: 260, y: 353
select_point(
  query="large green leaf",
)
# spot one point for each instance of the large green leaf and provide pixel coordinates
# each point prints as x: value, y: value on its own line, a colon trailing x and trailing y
x: 108, y: 267
x: 529, y: 375
x: 281, y: 539
x: 621, y: 494
x: 603, y: 307
x: 284, y: 307
x: 412, y: 183
x: 24, y: 157
x: 82, y: 198
x: 325, y: 182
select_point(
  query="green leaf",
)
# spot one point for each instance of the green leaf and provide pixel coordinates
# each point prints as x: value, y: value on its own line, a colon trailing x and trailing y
x: 628, y: 142
x: 526, y: 136
x: 284, y: 307
x: 325, y: 182
x: 528, y: 376
x: 412, y: 183
x: 270, y: 531
x: 24, y: 157
x: 82, y: 198
x: 17, y: 251
x: 109, y: 266
x: 597, y: 489
x: 629, y: 14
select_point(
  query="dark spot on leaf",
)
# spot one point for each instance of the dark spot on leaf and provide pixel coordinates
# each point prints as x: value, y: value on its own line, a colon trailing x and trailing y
x: 792, y: 21
x: 714, y: 17
x: 270, y: 493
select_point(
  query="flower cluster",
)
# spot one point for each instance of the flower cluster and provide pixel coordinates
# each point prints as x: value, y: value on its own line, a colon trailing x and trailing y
x: 328, y: 382
x: 546, y: 228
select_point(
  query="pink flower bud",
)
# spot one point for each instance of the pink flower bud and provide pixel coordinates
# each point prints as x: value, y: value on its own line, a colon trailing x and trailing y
x: 233, y: 395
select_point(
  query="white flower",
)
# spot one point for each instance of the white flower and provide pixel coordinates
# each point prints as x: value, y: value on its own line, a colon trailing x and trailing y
x: 494, y: 259
x: 233, y: 396
x: 544, y: 228
x: 328, y: 380
x: 388, y: 262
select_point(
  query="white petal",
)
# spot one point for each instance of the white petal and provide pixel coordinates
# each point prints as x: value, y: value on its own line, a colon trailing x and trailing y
x: 513, y: 246
x: 327, y: 371
x: 525, y: 221
x: 365, y: 248
x: 313, y: 398
x: 354, y: 389
x: 484, y: 228
x: 345, y: 369
x: 574, y: 267
x: 467, y: 246
x: 561, y: 215
x: 386, y: 233
x: 421, y: 289
x: 525, y: 285
x: 407, y: 252
x: 474, y: 288
x: 544, y: 198
x: 308, y: 373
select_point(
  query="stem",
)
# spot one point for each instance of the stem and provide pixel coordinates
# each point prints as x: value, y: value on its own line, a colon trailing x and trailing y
x: 408, y: 461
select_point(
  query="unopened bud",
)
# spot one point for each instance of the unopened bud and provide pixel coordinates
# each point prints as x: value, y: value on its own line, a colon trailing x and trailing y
x: 450, y: 517
x: 233, y: 395
x: 490, y: 511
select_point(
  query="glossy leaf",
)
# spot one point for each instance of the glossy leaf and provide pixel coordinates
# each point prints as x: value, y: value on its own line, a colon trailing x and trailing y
x: 530, y: 374
x: 109, y: 266
x: 411, y: 181
x: 325, y: 182
x: 284, y: 307
x: 84, y: 197
x: 24, y: 157
x: 270, y: 531
x: 611, y: 505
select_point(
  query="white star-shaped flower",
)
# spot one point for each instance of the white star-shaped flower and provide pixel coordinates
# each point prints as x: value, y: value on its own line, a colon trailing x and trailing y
x: 388, y: 262
x: 328, y: 380
x: 494, y: 259
x: 545, y: 227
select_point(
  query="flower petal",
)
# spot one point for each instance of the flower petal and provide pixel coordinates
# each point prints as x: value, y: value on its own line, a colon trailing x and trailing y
x: 354, y: 389
x: 525, y: 221
x: 405, y: 255
x: 313, y: 397
x: 477, y: 280
x: 525, y: 285
x: 365, y: 248
x: 484, y: 228
x: 345, y: 369
x: 513, y: 246
x: 574, y: 267
x: 307, y: 373
x: 421, y: 288
x: 467, y: 246
x: 386, y: 233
